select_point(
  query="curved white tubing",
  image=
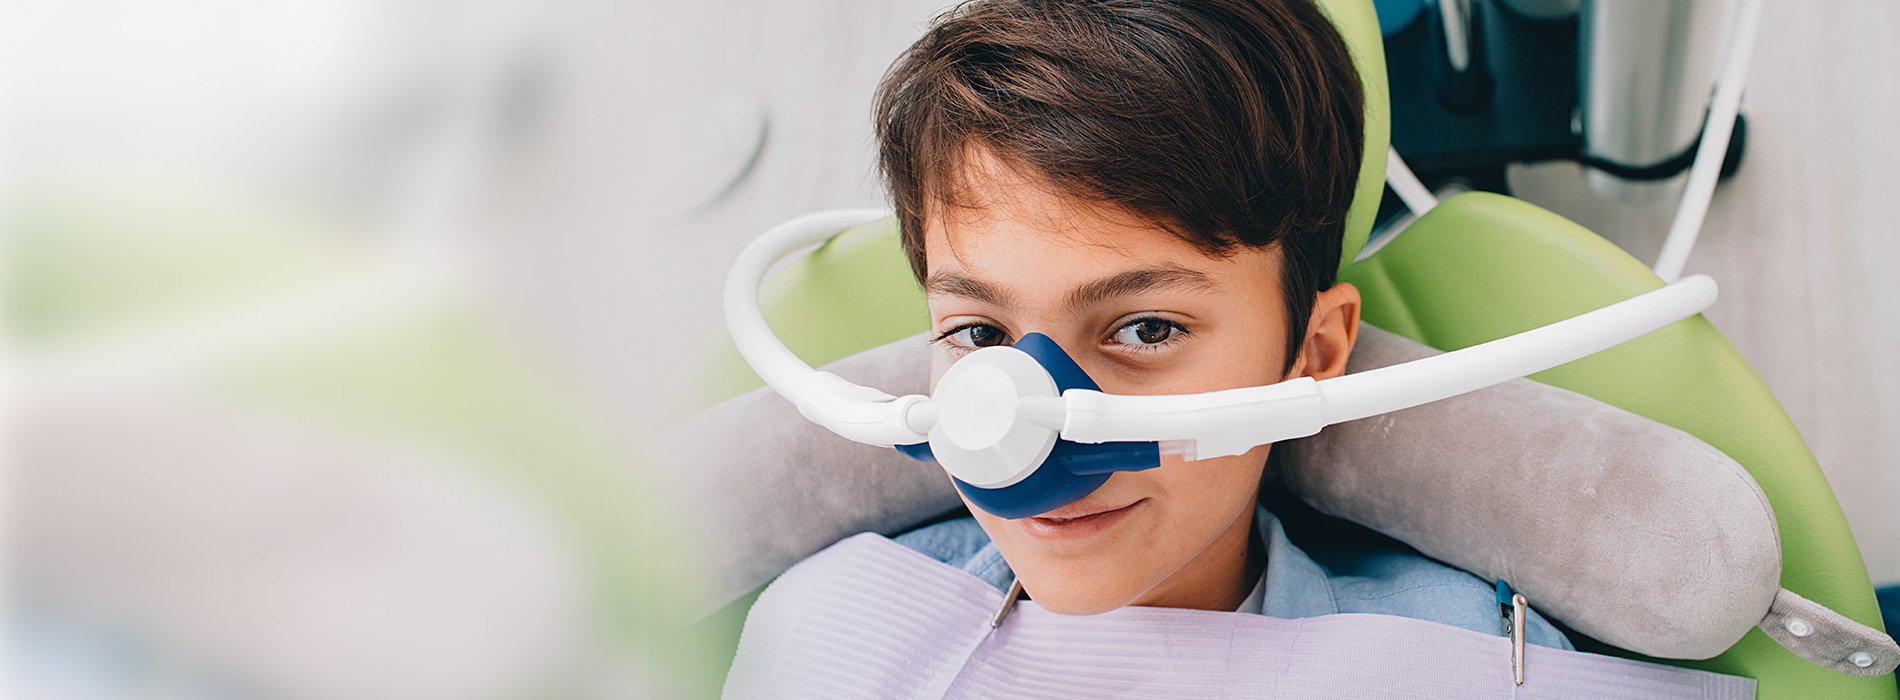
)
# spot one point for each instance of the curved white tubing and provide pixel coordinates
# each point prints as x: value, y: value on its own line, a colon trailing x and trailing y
x: 859, y: 413
x: 1219, y: 423
x: 1716, y: 133
x: 1235, y: 420
x: 1409, y: 384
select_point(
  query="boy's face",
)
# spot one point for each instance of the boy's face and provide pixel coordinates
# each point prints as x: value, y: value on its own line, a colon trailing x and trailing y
x: 1143, y: 312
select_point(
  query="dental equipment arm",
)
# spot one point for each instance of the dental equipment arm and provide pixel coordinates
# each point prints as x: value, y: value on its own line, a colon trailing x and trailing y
x: 1724, y: 105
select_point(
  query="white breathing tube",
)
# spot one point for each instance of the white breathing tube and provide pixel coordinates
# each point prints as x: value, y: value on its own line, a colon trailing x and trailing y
x: 859, y: 413
x: 1214, y: 424
x: 1235, y: 420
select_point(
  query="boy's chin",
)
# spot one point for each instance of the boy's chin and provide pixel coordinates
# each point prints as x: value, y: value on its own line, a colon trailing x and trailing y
x: 1078, y: 600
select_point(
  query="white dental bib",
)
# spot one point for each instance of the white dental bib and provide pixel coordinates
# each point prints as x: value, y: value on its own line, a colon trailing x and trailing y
x: 870, y: 618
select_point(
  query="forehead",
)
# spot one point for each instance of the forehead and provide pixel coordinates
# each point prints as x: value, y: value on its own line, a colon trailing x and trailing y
x: 1007, y: 224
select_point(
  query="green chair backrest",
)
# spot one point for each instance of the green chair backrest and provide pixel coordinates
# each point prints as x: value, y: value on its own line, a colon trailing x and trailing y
x: 1477, y: 268
x: 1482, y: 266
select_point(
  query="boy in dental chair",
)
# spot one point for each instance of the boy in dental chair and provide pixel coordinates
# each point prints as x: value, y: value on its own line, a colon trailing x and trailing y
x: 1160, y: 188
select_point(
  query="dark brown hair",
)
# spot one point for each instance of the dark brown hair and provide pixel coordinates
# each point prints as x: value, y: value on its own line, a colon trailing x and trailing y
x: 1227, y: 123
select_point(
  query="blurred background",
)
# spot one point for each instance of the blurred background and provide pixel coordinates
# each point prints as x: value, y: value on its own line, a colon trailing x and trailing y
x: 338, y: 330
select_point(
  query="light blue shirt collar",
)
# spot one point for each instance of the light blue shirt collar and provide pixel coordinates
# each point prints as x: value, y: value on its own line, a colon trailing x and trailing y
x: 1295, y: 585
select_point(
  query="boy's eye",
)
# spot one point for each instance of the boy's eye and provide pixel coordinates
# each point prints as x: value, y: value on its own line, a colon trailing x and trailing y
x: 977, y: 335
x: 1148, y: 331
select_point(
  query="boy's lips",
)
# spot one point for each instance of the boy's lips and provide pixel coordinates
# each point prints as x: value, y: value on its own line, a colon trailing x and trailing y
x: 1076, y: 520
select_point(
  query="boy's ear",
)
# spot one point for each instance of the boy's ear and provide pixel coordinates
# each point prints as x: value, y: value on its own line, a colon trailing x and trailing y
x: 1330, y: 333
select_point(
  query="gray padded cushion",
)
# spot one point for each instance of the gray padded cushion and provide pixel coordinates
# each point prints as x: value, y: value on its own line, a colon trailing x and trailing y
x: 1625, y: 529
x: 1628, y: 530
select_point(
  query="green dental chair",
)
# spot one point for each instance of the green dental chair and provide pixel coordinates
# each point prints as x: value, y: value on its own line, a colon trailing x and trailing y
x: 1478, y: 267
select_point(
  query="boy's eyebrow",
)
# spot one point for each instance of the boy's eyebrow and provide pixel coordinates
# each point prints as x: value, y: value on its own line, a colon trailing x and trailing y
x: 1125, y: 283
x: 953, y: 284
x: 1133, y: 282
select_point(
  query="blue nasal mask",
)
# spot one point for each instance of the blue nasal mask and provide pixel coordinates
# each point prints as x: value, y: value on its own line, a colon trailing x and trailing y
x: 1072, y: 469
